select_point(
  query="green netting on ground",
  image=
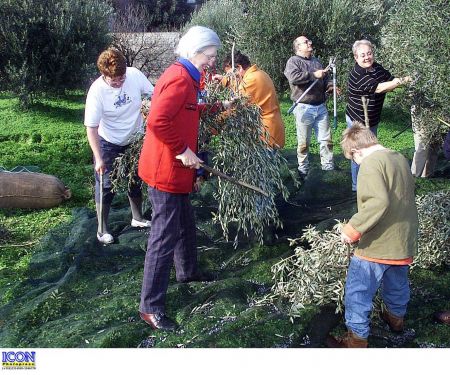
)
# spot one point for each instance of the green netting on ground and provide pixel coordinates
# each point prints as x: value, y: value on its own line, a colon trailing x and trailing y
x: 81, y: 294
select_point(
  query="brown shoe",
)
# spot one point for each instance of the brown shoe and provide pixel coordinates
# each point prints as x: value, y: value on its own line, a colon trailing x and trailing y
x: 395, y: 323
x: 443, y: 317
x: 349, y: 340
x: 159, y: 321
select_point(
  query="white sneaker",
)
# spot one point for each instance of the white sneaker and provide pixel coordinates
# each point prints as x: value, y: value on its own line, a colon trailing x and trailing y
x: 105, y: 238
x: 140, y: 224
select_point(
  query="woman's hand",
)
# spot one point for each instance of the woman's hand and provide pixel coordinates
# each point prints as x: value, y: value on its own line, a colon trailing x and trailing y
x: 189, y: 159
x: 100, y: 167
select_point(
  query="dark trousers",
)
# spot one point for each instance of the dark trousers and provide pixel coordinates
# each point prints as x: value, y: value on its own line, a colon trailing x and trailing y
x: 110, y: 152
x: 172, y: 240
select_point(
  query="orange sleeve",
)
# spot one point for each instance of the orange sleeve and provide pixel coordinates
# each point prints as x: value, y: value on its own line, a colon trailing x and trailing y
x: 351, y: 232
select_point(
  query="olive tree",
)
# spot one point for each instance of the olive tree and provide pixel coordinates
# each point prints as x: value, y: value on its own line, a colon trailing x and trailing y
x: 265, y: 29
x: 225, y: 17
x: 416, y: 42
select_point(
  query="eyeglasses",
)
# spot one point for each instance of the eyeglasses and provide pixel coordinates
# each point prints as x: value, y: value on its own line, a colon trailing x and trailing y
x: 307, y: 41
x: 367, y: 54
x: 210, y: 57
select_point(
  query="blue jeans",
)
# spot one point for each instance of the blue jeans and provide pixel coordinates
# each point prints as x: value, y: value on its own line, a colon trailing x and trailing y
x: 363, y: 280
x: 307, y: 118
x: 354, y: 166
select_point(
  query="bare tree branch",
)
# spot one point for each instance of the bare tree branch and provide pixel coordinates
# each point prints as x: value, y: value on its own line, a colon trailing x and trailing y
x: 151, y: 53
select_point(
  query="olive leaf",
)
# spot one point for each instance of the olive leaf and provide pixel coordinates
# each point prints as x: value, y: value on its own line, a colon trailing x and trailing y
x: 238, y: 142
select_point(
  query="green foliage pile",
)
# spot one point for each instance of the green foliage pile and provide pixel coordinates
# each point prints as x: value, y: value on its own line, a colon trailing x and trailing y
x: 265, y: 30
x: 47, y: 46
x: 125, y: 166
x: 434, y: 230
x: 416, y: 42
x: 237, y: 141
x: 315, y: 274
x: 240, y: 149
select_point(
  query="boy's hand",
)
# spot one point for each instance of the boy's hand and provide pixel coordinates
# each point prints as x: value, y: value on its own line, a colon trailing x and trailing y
x: 349, y: 234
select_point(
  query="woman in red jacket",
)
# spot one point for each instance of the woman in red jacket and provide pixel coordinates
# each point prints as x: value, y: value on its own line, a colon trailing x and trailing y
x: 168, y: 163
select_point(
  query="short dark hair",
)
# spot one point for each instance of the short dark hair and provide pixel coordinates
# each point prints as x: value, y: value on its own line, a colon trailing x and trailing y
x: 239, y: 59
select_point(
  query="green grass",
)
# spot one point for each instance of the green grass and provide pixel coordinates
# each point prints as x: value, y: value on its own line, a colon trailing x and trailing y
x: 51, y: 136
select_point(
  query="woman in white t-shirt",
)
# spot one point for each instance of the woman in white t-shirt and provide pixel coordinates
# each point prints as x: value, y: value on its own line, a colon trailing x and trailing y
x: 112, y: 117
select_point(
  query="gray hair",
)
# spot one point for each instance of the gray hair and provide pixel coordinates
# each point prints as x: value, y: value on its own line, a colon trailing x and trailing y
x: 196, y: 40
x: 361, y: 42
x: 296, y: 43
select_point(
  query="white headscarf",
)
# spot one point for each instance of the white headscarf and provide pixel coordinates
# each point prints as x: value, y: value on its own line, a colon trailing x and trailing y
x: 195, y: 40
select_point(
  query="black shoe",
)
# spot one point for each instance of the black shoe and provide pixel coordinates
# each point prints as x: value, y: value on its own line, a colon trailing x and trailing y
x: 159, y: 321
x: 200, y: 277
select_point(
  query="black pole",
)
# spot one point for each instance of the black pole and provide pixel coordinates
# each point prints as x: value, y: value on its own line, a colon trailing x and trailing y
x: 401, y: 131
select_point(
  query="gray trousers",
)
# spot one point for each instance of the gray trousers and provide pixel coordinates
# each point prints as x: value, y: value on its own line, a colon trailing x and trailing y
x: 172, y: 240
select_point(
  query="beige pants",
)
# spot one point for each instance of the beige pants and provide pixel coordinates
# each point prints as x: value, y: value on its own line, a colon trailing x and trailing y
x: 425, y: 156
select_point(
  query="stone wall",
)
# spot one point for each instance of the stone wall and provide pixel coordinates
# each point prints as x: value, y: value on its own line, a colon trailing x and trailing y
x: 151, y: 53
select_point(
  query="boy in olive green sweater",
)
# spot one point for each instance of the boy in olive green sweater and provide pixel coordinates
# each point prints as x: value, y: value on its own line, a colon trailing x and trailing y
x: 386, y: 226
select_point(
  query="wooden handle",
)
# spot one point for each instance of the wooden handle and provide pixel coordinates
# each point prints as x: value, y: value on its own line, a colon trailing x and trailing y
x: 233, y: 180
x: 365, y: 104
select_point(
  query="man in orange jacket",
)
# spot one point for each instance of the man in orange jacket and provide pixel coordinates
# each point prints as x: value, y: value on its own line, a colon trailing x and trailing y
x: 258, y: 86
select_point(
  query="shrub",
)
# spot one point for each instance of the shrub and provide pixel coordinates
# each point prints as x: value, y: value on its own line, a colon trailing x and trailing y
x: 225, y: 17
x: 265, y: 29
x: 49, y: 46
x: 416, y: 43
